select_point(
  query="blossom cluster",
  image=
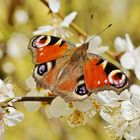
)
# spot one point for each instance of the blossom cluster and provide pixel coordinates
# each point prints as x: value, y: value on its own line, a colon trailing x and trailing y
x: 9, y: 116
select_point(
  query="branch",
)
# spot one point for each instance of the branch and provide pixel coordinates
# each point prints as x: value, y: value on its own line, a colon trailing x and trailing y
x: 47, y: 99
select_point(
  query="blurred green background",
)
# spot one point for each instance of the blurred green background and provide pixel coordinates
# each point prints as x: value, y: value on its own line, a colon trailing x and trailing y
x: 19, y: 18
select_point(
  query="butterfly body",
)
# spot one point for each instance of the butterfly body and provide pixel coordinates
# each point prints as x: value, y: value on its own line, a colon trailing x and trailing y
x: 70, y: 71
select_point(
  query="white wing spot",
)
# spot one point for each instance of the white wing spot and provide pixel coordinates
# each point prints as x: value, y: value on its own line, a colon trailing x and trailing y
x: 104, y: 64
x: 49, y: 66
x: 81, y: 82
x: 41, y: 53
x: 105, y: 81
x: 58, y: 42
x: 99, y: 82
x: 41, y: 49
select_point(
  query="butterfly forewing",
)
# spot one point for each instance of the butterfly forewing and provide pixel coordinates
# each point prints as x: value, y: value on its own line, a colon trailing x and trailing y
x: 48, y: 48
x: 101, y: 74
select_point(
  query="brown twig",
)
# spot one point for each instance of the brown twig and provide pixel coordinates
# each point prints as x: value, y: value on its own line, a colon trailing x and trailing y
x: 47, y: 99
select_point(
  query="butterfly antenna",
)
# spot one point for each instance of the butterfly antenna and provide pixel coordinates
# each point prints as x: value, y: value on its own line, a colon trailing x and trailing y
x: 91, y: 18
x: 100, y: 32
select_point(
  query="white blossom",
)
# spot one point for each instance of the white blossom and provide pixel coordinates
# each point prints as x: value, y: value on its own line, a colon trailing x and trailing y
x: 95, y: 45
x: 59, y: 107
x: 68, y: 19
x: 131, y: 58
x: 120, y: 44
x: 58, y: 28
x: 76, y: 112
x: 9, y: 117
x: 6, y: 91
x: 77, y: 118
x: 83, y: 105
x: 82, y: 111
x: 124, y: 119
x: 111, y: 97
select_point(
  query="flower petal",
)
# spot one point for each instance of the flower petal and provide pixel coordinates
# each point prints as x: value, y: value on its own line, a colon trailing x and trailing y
x: 106, y: 97
x: 99, y: 50
x: 46, y: 28
x: 83, y: 106
x: 54, y: 5
x: 135, y: 89
x: 127, y: 110
x: 6, y: 91
x: 47, y: 111
x: 91, y: 113
x: 30, y: 82
x: 127, y: 61
x: 58, y: 107
x: 137, y: 53
x: 135, y: 99
x: 137, y: 71
x: 43, y: 29
x: 125, y: 95
x: 1, y: 129
x: 120, y: 44
x: 68, y: 19
x: 95, y: 45
x: 130, y: 45
x: 107, y: 117
x: 95, y: 41
x: 1, y: 83
x: 12, y: 118
x: 32, y: 106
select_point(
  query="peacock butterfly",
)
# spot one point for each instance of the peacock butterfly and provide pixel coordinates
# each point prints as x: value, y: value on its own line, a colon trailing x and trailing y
x: 70, y: 71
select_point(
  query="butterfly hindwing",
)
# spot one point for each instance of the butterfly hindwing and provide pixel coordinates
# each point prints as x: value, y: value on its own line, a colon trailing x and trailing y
x: 46, y: 73
x: 70, y: 83
x: 62, y: 77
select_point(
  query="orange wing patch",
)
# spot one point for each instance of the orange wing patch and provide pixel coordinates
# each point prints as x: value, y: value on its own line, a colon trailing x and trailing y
x: 49, y: 53
x: 94, y: 75
x: 68, y: 85
x: 47, y: 48
x: 51, y: 76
